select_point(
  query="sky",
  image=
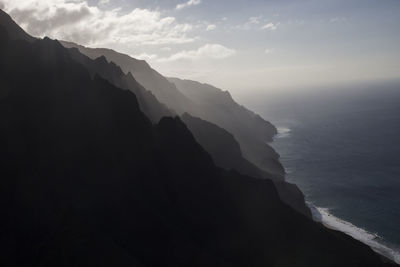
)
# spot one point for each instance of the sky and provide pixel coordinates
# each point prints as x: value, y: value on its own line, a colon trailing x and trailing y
x: 240, y: 45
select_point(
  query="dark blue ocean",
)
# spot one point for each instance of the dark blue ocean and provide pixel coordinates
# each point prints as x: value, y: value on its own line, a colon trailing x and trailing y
x: 341, y: 146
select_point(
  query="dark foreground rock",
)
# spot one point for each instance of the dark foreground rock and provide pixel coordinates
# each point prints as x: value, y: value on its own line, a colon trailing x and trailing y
x: 88, y: 180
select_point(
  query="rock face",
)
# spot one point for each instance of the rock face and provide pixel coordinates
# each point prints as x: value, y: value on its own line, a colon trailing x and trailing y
x: 165, y: 91
x: 14, y: 31
x: 203, y: 101
x: 209, y: 136
x: 148, y: 103
x: 250, y: 130
x: 87, y: 180
x: 226, y: 153
x: 222, y: 146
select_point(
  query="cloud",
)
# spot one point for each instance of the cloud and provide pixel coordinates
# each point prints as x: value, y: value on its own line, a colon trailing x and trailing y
x: 77, y: 21
x: 253, y: 23
x: 104, y: 2
x: 255, y: 20
x: 211, y: 27
x: 208, y: 51
x: 188, y: 4
x: 145, y: 56
x: 270, y: 27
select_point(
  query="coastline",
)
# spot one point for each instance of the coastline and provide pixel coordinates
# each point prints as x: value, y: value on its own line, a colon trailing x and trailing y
x: 374, y: 241
x: 323, y: 216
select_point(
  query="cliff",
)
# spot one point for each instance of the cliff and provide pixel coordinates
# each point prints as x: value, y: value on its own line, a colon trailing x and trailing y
x: 251, y: 131
x: 226, y: 153
x: 164, y: 91
x: 88, y: 180
x: 217, y: 141
x: 148, y: 103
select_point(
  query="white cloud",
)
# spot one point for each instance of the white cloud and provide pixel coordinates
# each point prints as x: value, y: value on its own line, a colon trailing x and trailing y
x: 253, y: 23
x: 270, y: 27
x: 188, y: 4
x: 255, y: 20
x: 77, y: 21
x: 145, y: 56
x: 211, y: 27
x: 208, y: 51
x: 104, y: 2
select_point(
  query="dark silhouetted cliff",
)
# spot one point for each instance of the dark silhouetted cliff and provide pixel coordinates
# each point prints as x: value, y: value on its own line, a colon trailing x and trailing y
x: 202, y: 101
x: 108, y: 70
x: 165, y: 92
x: 250, y: 130
x: 226, y: 153
x: 14, y: 31
x: 88, y: 180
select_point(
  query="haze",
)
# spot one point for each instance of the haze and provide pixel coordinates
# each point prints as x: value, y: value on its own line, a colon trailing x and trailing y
x: 237, y: 45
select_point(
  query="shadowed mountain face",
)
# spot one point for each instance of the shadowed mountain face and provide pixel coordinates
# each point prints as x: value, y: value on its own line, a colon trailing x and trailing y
x: 14, y: 31
x: 215, y: 140
x: 109, y: 71
x: 147, y: 101
x: 89, y: 181
x: 153, y: 81
x: 222, y: 146
x: 250, y: 130
x: 226, y: 153
x: 203, y: 101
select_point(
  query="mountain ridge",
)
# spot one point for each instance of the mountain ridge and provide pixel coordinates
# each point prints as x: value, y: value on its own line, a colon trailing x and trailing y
x: 250, y: 129
x: 90, y: 180
x: 227, y: 154
x: 113, y: 73
x: 253, y: 142
x: 153, y: 81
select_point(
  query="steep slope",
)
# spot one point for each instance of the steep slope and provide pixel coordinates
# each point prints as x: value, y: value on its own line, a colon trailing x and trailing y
x: 15, y: 32
x: 153, y: 81
x: 216, y: 140
x: 213, y: 105
x: 147, y: 101
x: 219, y: 143
x: 222, y: 146
x: 226, y: 153
x: 89, y: 181
x: 250, y: 130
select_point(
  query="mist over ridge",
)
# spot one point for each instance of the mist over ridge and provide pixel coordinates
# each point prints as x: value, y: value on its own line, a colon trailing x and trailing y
x: 106, y: 162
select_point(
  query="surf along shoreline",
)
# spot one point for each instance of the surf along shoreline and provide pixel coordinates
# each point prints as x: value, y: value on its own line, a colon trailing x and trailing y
x: 325, y: 217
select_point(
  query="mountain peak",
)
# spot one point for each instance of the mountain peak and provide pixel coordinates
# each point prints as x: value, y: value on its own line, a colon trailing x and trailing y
x: 15, y: 32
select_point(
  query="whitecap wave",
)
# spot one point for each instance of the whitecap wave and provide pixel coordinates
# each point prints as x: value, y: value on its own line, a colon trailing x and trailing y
x: 283, y: 132
x: 373, y: 240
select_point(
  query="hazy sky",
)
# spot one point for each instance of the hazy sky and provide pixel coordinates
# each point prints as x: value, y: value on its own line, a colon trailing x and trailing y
x: 234, y: 44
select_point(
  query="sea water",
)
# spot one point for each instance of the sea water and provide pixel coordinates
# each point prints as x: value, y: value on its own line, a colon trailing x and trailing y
x: 342, y: 148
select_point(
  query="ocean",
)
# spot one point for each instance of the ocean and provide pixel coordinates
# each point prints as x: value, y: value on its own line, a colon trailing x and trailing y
x: 341, y: 147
